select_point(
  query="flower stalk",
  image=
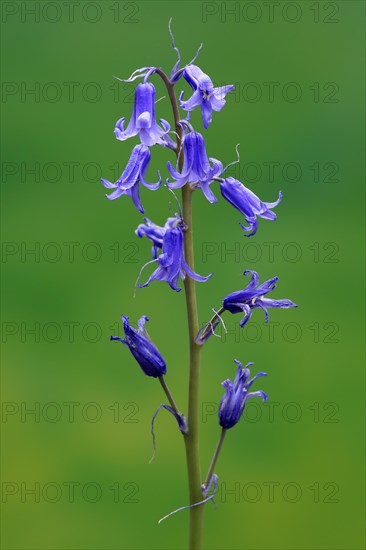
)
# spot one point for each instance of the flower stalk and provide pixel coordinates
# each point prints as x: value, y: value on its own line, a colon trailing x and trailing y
x: 215, y: 457
x: 192, y: 437
x: 167, y: 393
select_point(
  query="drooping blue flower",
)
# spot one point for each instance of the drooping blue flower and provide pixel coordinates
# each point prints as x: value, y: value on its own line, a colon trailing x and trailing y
x: 156, y: 233
x: 244, y: 301
x: 205, y: 95
x: 237, y: 393
x: 141, y: 347
x: 197, y: 169
x: 171, y: 262
x: 253, y: 297
x: 134, y: 174
x: 143, y: 120
x: 244, y: 200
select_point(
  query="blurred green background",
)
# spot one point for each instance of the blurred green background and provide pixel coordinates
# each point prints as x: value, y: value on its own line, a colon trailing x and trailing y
x: 292, y: 472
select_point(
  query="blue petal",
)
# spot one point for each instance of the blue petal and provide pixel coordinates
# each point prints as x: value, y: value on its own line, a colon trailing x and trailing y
x: 194, y: 275
x: 135, y: 194
x: 116, y: 194
x: 193, y: 102
x: 206, y: 113
x: 119, y: 339
x: 258, y: 393
x: 108, y: 184
x: 268, y: 302
x: 254, y: 279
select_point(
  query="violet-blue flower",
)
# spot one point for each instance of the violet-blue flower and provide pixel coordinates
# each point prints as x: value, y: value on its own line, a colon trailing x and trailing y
x: 237, y: 393
x: 143, y: 120
x: 134, y: 174
x: 197, y: 169
x: 205, y: 95
x: 253, y: 297
x: 156, y: 233
x: 171, y: 262
x: 138, y: 342
x: 244, y: 200
x: 244, y: 301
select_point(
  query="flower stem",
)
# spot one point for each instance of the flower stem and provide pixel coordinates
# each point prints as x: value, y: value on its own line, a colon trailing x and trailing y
x: 192, y: 436
x: 215, y: 457
x: 167, y: 393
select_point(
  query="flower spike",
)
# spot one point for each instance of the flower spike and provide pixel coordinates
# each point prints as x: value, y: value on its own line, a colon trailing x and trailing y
x: 172, y: 252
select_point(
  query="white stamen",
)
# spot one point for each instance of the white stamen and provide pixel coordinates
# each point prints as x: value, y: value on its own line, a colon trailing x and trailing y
x: 160, y: 98
x: 212, y: 326
x: 139, y: 275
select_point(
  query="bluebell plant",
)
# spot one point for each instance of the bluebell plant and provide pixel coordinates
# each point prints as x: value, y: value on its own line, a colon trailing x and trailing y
x: 172, y: 255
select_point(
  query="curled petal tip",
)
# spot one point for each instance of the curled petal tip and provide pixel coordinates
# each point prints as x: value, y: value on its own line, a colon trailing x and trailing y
x: 111, y: 338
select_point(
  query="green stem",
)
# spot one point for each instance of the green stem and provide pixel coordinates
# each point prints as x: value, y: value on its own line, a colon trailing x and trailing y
x: 215, y: 457
x: 192, y: 436
x: 167, y: 393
